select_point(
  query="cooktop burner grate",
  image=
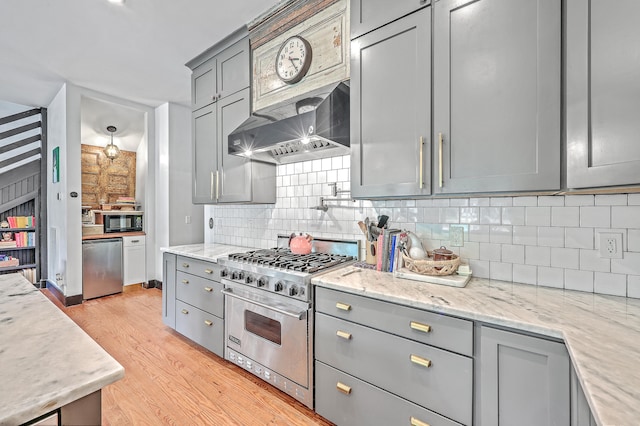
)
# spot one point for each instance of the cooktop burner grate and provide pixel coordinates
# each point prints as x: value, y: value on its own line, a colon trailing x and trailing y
x: 282, y: 258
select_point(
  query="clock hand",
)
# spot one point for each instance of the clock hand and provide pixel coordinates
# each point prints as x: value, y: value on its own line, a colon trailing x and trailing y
x: 293, y: 63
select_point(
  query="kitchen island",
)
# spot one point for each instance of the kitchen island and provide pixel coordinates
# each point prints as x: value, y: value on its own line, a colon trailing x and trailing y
x: 601, y: 333
x: 47, y: 362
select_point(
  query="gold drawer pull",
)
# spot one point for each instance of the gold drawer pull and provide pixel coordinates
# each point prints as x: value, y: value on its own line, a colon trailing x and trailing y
x: 185, y: 265
x: 425, y: 328
x: 208, y: 271
x: 207, y: 322
x: 343, y: 306
x: 420, y: 361
x: 343, y: 388
x: 343, y: 334
x: 185, y: 281
x: 416, y: 422
x: 209, y: 289
x: 184, y: 311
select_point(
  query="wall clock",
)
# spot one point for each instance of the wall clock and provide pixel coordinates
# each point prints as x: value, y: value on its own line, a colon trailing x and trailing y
x: 293, y: 59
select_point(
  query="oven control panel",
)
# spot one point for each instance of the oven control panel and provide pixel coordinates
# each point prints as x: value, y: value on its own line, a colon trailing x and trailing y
x: 278, y: 285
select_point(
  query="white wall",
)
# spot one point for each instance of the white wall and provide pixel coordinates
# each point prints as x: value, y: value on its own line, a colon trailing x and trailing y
x: 545, y: 240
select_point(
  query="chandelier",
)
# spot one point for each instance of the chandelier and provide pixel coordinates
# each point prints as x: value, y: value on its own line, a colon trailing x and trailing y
x: 111, y: 151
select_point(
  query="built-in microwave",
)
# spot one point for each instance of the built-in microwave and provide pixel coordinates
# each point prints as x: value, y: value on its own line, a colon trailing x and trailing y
x: 122, y: 222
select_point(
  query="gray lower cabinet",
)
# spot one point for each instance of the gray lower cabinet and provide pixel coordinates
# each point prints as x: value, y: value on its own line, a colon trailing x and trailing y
x: 194, y: 301
x: 602, y: 87
x: 580, y: 412
x: 496, y: 95
x: 367, y: 15
x: 390, y: 108
x: 169, y: 289
x: 375, y: 360
x: 522, y: 380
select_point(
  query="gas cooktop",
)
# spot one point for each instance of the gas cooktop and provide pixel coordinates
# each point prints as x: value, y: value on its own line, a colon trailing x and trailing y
x: 282, y: 258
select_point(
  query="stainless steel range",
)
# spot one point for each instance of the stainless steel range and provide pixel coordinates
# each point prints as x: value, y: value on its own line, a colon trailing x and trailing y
x: 269, y: 310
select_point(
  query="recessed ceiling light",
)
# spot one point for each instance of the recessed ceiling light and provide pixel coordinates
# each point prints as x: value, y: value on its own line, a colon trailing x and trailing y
x: 116, y: 1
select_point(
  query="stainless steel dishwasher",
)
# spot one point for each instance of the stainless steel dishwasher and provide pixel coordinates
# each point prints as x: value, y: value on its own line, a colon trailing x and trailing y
x: 101, y: 267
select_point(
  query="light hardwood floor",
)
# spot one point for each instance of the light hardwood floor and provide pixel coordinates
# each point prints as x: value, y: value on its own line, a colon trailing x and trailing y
x: 171, y: 380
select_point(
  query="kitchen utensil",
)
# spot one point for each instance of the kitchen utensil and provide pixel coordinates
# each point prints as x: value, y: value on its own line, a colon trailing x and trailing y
x: 375, y: 232
x: 367, y: 224
x: 363, y: 228
x: 300, y: 244
x: 382, y: 221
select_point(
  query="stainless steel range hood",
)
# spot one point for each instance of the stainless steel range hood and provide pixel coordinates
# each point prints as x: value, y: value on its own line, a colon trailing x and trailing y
x: 309, y: 126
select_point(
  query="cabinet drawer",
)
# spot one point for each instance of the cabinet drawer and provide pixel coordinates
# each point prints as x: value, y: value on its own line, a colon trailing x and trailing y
x: 367, y: 15
x: 445, y: 332
x: 201, y: 327
x: 201, y: 293
x: 201, y: 268
x: 345, y: 400
x: 137, y: 241
x: 435, y: 379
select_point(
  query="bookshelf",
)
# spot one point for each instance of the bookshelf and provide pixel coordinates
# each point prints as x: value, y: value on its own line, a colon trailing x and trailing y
x: 19, y: 243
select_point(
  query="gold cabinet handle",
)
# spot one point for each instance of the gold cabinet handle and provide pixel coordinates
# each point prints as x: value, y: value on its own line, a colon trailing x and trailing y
x: 425, y: 328
x: 217, y: 184
x: 208, y: 323
x: 421, y: 184
x: 209, y: 289
x: 185, y: 265
x: 184, y: 311
x: 417, y: 422
x: 440, y: 177
x: 343, y: 388
x: 211, y: 186
x: 343, y: 306
x: 343, y: 334
x: 185, y: 281
x: 420, y: 361
x: 208, y: 271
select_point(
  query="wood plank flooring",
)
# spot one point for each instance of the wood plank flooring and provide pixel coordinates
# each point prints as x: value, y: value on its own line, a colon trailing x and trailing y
x: 170, y: 380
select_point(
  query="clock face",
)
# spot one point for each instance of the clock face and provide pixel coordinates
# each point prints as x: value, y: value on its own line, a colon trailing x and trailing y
x: 293, y: 60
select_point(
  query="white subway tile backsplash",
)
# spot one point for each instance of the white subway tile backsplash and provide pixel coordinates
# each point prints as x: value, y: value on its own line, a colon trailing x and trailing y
x: 551, y: 277
x: 565, y: 216
x: 633, y: 286
x: 525, y: 201
x: 567, y: 258
x: 470, y: 250
x: 479, y: 202
x: 539, y: 256
x: 607, y: 283
x: 550, y: 236
x: 581, y: 238
x: 629, y: 264
x: 596, y: 216
x: 479, y: 268
x: 578, y: 280
x: 501, y: 201
x: 525, y: 235
x: 459, y: 202
x: 611, y: 200
x: 512, y: 253
x: 501, y: 234
x: 625, y: 217
x: 490, y: 252
x: 441, y: 202
x: 590, y: 260
x: 633, y: 241
x: 538, y: 216
x: 550, y: 200
x: 633, y: 199
x: 579, y: 200
x: 469, y: 215
x: 449, y: 215
x: 513, y: 216
x: 479, y: 233
x: 501, y: 271
x: 526, y: 274
x: 490, y: 215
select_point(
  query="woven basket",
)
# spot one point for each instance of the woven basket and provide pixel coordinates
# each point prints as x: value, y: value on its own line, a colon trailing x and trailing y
x: 430, y: 266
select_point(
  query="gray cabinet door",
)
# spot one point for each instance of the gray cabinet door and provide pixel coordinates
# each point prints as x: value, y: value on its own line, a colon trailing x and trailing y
x: 169, y: 289
x: 234, y: 171
x: 367, y: 15
x: 496, y: 88
x: 603, y: 93
x: 390, y: 109
x: 523, y: 380
x: 204, y: 87
x: 580, y: 411
x: 205, y: 155
x: 233, y: 69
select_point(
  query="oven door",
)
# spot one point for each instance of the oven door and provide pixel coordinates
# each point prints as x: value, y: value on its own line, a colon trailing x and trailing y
x: 269, y: 329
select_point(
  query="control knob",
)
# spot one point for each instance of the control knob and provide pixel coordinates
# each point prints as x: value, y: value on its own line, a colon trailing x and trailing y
x: 262, y: 282
x: 278, y: 286
x: 237, y: 275
x: 224, y: 273
x: 249, y: 279
x: 293, y: 290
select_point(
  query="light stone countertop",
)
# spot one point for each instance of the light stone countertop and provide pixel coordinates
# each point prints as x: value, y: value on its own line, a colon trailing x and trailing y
x: 602, y: 333
x: 46, y: 360
x: 207, y: 252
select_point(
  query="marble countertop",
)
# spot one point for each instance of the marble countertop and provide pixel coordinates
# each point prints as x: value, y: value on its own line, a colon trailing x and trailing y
x: 46, y: 360
x: 208, y: 252
x: 602, y: 333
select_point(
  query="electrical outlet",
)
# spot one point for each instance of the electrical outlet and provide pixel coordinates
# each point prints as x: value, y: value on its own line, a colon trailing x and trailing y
x: 456, y: 236
x: 187, y: 219
x: 611, y: 245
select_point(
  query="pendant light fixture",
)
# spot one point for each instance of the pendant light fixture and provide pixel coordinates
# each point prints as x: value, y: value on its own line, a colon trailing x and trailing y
x: 111, y: 151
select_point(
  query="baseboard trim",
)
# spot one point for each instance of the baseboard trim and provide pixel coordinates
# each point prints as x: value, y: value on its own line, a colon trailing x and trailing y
x: 65, y: 300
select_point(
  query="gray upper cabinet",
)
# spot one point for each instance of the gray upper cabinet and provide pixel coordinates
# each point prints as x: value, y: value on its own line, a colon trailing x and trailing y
x: 221, y: 101
x: 522, y: 380
x: 603, y: 101
x: 390, y: 109
x: 367, y: 15
x: 496, y: 87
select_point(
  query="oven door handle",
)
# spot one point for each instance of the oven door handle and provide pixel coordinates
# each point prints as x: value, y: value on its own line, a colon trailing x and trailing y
x: 295, y: 314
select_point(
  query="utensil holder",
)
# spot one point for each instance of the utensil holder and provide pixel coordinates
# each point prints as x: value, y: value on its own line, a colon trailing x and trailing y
x: 371, y: 258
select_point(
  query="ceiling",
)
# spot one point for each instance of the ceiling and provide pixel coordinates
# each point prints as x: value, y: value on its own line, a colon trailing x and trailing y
x: 135, y: 51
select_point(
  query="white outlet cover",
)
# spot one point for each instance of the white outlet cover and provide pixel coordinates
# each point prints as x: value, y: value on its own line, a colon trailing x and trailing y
x: 456, y: 236
x: 610, y: 245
